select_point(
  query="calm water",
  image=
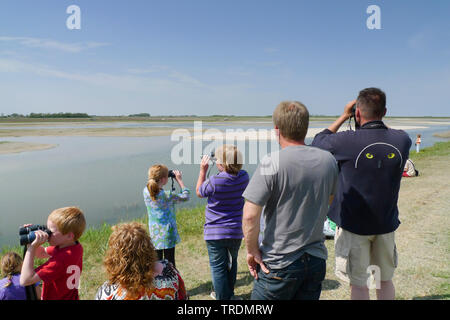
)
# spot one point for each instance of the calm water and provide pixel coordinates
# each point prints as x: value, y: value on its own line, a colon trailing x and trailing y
x: 104, y: 176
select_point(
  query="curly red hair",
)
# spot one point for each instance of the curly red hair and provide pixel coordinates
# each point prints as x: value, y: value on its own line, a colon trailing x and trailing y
x: 130, y: 259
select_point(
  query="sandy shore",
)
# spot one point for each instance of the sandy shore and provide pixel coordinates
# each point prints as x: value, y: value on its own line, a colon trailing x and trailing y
x: 445, y: 134
x: 7, y: 147
x: 422, y: 122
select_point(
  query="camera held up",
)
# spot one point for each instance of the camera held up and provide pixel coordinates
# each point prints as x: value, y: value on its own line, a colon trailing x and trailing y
x: 28, y: 234
x: 212, y: 156
x: 171, y: 174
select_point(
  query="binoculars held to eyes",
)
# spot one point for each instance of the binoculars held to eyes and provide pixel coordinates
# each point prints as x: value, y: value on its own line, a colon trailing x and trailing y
x: 357, y: 126
x: 28, y: 234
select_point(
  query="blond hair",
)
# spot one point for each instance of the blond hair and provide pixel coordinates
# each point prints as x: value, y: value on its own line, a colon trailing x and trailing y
x: 130, y: 259
x: 230, y: 158
x: 69, y: 219
x: 11, y: 264
x: 292, y: 119
x: 155, y: 174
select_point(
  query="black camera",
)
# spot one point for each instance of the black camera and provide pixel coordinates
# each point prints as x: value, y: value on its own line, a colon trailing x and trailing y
x: 27, y: 234
x: 172, y: 175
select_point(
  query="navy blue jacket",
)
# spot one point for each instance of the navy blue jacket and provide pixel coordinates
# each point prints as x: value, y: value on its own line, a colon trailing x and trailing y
x: 371, y: 161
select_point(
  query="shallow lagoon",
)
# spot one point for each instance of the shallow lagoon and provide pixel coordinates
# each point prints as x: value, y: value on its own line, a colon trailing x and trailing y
x: 105, y: 176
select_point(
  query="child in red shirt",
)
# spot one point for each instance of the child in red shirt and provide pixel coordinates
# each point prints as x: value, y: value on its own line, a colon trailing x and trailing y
x: 61, y: 273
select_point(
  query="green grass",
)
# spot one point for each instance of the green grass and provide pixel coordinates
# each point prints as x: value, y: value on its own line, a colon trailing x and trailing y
x: 439, y: 149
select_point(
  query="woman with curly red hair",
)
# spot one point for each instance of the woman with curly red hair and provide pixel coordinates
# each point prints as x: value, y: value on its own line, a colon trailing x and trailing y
x: 134, y: 273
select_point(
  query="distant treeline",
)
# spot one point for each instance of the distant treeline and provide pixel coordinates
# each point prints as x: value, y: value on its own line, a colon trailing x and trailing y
x: 163, y: 117
x: 47, y: 115
x: 140, y: 115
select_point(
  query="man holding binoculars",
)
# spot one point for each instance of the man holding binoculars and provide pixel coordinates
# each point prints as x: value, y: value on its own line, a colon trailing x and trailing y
x: 371, y: 161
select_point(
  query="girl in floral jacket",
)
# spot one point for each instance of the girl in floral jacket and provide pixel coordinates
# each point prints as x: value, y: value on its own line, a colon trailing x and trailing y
x: 161, y: 210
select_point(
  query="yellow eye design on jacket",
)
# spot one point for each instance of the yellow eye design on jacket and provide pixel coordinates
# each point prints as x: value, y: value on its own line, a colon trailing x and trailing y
x: 379, y: 155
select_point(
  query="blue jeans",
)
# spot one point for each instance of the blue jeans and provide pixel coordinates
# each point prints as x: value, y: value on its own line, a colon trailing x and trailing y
x: 223, y: 277
x: 301, y: 280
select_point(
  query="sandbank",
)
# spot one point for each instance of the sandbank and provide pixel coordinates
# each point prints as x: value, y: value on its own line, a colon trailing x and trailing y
x: 7, y: 147
x: 207, y: 134
x: 263, y: 134
x: 89, y: 132
x: 445, y: 134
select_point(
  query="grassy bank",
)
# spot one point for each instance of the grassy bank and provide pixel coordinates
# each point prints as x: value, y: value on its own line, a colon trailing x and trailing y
x: 423, y: 242
x: 439, y: 149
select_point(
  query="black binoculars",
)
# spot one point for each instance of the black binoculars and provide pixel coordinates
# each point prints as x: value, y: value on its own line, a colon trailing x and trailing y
x: 357, y: 126
x: 27, y: 234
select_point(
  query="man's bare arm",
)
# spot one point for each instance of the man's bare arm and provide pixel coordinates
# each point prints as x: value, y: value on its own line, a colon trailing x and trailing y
x: 334, y: 127
x: 251, y: 227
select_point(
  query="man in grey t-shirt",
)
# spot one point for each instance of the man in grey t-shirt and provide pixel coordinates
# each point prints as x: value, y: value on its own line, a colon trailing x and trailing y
x: 294, y: 186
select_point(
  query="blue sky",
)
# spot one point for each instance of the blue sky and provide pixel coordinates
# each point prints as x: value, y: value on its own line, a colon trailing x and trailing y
x: 222, y: 57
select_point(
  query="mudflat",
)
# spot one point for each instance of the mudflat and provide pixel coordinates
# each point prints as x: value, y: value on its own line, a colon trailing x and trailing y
x: 88, y: 129
x: 88, y: 132
x: 445, y: 134
x: 7, y: 147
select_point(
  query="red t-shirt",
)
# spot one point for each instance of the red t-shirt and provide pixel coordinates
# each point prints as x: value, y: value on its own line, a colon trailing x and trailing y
x: 61, y: 273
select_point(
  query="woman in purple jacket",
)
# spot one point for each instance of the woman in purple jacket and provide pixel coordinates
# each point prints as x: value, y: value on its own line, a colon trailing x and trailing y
x: 223, y: 217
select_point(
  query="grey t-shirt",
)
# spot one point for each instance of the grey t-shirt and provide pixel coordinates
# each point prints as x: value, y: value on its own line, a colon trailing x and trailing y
x: 294, y: 186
